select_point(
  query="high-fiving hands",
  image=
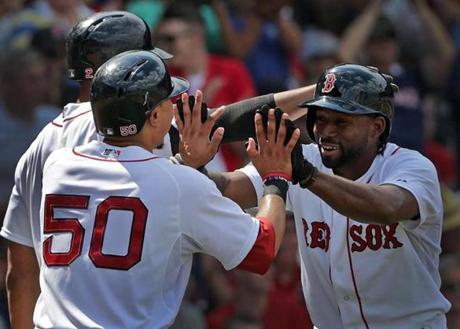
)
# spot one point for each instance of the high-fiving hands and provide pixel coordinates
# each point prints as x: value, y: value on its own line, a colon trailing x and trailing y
x: 272, y: 154
x: 196, y: 148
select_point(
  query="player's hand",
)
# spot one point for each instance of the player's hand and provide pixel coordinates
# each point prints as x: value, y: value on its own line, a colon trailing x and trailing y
x: 272, y: 153
x: 195, y: 147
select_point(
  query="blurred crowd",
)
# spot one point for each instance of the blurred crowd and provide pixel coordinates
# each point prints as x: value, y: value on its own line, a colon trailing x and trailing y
x: 235, y: 49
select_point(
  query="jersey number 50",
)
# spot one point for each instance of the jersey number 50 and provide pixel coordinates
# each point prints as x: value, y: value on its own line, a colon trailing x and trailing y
x: 73, y: 226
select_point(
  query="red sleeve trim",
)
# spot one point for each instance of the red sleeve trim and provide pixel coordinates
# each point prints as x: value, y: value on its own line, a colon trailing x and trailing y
x: 261, y: 256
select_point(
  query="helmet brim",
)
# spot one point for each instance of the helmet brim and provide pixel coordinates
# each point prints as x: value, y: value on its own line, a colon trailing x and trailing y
x: 338, y: 105
x: 180, y: 85
x: 163, y: 54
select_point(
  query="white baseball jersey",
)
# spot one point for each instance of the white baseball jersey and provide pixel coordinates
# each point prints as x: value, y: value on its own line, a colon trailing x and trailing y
x: 74, y: 126
x: 119, y: 229
x: 371, y: 276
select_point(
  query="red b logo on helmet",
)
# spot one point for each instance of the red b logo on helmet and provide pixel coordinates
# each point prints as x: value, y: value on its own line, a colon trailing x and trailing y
x: 329, y: 83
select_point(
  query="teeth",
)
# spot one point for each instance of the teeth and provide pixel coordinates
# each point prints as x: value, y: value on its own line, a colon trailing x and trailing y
x: 329, y: 148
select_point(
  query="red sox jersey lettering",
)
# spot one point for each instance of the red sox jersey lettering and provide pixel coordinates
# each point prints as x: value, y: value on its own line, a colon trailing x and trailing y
x: 372, y: 236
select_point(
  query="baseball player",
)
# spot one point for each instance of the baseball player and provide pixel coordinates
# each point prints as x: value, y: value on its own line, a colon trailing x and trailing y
x: 114, y: 215
x: 368, y: 213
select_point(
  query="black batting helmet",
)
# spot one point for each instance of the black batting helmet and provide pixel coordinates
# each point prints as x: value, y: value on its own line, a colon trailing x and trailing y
x: 353, y: 89
x: 127, y: 87
x: 103, y: 35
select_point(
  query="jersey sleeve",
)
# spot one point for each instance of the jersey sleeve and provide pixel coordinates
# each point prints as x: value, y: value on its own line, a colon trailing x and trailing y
x: 416, y: 174
x: 213, y: 224
x: 251, y: 171
x: 16, y: 224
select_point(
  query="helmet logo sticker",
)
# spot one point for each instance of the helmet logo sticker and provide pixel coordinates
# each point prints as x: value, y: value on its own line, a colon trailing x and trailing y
x: 89, y: 73
x: 329, y: 83
x: 128, y: 130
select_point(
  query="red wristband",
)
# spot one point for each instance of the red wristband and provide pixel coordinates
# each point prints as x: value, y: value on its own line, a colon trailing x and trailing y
x: 276, y: 174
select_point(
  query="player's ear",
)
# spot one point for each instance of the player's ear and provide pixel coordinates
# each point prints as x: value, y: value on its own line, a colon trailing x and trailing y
x: 152, y: 117
x: 378, y: 125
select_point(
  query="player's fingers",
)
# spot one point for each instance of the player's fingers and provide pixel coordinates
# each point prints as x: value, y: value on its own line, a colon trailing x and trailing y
x: 260, y: 134
x: 293, y: 140
x: 251, y: 148
x: 196, y: 113
x: 282, y: 130
x: 271, y: 124
x: 216, y: 114
x: 179, y: 123
x: 186, y: 108
x: 216, y: 139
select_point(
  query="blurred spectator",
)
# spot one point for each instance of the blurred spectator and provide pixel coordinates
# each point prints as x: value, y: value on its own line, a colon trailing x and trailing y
x: 59, y: 15
x: 450, y: 241
x: 264, y: 35
x: 50, y: 43
x: 24, y: 109
x: 243, y: 322
x: 440, y: 141
x: 191, y: 315
x: 105, y: 5
x: 152, y: 10
x: 319, y: 52
x: 4, y: 318
x: 223, y: 80
x: 250, y: 299
x: 8, y: 10
x: 449, y: 268
x: 327, y: 15
x: 372, y: 39
x: 286, y: 301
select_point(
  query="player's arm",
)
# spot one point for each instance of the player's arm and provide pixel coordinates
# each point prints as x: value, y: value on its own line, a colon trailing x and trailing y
x: 237, y: 118
x: 382, y: 204
x: 271, y: 158
x: 236, y: 186
x: 22, y: 284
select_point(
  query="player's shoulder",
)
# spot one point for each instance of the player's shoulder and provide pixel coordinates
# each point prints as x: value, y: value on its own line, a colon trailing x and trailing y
x: 70, y: 112
x: 188, y: 179
x: 396, y: 153
x: 73, y: 111
x: 403, y: 159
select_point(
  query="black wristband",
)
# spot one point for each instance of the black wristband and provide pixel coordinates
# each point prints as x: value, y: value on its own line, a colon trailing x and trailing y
x: 276, y: 186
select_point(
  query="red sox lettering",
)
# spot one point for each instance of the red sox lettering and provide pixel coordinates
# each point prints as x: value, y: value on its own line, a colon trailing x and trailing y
x: 372, y: 236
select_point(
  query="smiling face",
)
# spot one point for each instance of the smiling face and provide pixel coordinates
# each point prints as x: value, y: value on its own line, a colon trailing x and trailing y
x: 347, y: 143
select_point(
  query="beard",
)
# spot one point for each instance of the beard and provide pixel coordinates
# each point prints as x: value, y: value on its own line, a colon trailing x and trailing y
x: 345, y: 157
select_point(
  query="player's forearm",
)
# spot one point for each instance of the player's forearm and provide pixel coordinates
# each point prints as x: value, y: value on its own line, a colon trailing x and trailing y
x: 22, y: 285
x: 238, y: 117
x: 236, y: 186
x: 366, y: 203
x: 273, y: 208
x: 289, y: 100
